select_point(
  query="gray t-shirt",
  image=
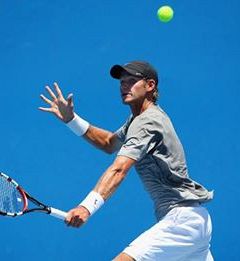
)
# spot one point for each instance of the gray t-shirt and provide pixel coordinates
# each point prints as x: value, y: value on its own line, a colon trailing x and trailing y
x: 151, y: 140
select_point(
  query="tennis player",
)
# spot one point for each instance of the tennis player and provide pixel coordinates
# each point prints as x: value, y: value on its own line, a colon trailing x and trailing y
x: 149, y: 142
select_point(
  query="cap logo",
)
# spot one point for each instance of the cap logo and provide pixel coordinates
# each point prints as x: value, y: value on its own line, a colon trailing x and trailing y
x: 139, y: 74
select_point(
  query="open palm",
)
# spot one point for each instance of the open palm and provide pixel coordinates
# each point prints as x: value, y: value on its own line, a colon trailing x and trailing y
x: 59, y: 106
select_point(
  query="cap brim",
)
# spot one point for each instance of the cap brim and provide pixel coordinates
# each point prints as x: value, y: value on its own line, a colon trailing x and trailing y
x: 117, y: 70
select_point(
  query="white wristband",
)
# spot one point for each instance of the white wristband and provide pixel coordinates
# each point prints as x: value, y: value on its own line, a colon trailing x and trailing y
x: 92, y: 202
x: 78, y: 125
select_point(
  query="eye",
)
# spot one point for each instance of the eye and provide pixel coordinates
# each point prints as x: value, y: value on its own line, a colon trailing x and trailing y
x: 132, y: 81
x: 129, y: 81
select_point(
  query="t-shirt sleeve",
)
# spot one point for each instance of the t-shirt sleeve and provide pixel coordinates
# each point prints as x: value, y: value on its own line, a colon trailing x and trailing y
x: 120, y: 134
x: 142, y: 136
x: 122, y: 131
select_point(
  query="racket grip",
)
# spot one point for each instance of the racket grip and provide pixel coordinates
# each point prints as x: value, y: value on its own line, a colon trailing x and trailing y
x: 58, y: 213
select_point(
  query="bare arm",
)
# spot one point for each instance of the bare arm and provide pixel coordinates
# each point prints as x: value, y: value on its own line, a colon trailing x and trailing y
x: 106, y: 186
x: 113, y: 176
x: 63, y: 109
x: 102, y: 139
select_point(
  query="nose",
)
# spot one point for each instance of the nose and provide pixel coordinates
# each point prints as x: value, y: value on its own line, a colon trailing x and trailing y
x: 124, y: 87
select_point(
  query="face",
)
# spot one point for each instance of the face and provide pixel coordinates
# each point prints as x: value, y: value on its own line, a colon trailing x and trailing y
x: 133, y: 89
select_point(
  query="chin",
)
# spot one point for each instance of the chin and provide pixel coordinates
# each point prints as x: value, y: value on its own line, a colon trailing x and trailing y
x: 125, y: 101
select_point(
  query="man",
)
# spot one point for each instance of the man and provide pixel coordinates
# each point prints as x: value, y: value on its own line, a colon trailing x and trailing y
x: 148, y: 141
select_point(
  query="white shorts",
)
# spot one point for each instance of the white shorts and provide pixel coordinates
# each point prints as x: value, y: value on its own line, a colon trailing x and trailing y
x: 183, y: 234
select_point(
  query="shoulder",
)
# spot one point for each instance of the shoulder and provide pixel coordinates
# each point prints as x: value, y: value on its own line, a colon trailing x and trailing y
x: 153, y: 116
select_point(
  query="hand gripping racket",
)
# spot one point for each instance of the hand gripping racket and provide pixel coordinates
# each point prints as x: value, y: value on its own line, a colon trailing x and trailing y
x: 14, y: 200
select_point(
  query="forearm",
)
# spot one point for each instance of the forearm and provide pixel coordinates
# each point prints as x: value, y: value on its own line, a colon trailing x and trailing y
x: 105, y: 187
x: 109, y: 182
x: 113, y: 176
x: 102, y: 139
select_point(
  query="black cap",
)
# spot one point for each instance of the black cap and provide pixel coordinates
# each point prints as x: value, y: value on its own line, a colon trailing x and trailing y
x: 139, y: 69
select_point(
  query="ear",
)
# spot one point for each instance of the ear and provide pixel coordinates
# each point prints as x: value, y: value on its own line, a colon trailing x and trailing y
x: 151, y: 84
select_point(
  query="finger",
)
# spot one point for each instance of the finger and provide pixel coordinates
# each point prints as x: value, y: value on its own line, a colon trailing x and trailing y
x: 76, y: 221
x: 51, y: 93
x: 58, y: 90
x: 70, y: 99
x: 45, y: 109
x: 46, y: 99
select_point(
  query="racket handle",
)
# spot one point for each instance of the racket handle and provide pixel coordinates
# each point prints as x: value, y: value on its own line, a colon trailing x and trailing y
x: 58, y: 213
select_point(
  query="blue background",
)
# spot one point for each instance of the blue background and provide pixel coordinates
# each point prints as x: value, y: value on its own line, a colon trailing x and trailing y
x: 75, y: 43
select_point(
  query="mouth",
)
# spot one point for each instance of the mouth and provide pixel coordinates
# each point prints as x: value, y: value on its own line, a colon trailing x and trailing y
x: 126, y: 94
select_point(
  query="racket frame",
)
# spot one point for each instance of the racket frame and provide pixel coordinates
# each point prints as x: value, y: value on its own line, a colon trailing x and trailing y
x: 26, y: 197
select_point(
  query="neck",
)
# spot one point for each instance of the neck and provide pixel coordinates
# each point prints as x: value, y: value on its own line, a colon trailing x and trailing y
x: 137, y: 109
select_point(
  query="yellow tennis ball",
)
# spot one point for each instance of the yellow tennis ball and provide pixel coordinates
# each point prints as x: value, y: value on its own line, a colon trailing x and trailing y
x: 165, y: 13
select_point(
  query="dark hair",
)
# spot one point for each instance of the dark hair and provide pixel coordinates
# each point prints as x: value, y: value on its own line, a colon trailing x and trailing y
x: 155, y: 95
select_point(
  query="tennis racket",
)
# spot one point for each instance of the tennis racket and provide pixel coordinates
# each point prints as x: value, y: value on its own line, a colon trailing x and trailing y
x: 14, y: 200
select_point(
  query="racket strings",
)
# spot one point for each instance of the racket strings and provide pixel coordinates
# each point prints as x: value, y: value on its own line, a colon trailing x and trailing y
x: 10, y: 198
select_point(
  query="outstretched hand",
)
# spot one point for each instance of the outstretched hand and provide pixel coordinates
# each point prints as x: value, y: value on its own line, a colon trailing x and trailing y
x: 59, y: 106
